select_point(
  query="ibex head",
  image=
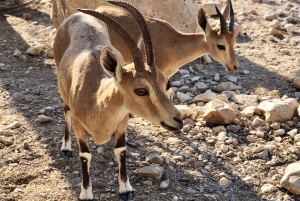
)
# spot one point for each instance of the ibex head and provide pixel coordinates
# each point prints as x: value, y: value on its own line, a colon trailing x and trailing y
x: 142, y: 84
x: 221, y: 40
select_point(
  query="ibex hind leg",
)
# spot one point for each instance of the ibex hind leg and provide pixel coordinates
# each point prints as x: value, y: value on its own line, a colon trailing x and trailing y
x: 66, y: 149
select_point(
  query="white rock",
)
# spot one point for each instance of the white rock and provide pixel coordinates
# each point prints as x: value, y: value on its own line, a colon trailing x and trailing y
x: 275, y: 32
x: 207, y: 59
x: 271, y: 15
x: 183, y: 97
x: 205, y: 97
x: 34, y: 50
x: 267, y: 188
x: 275, y: 24
x: 185, y: 110
x: 250, y: 139
x: 164, y: 184
x: 249, y: 111
x: 224, y: 148
x: 297, y: 138
x: 245, y: 100
x: 290, y: 28
x: 269, y: 148
x: 262, y: 155
x: 291, y: 178
x: 223, y: 97
x: 218, y: 112
x: 279, y: 110
x: 279, y: 132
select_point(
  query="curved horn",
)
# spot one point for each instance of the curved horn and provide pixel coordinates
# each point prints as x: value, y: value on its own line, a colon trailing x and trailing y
x: 131, y: 45
x: 231, y: 22
x: 222, y: 21
x: 143, y: 27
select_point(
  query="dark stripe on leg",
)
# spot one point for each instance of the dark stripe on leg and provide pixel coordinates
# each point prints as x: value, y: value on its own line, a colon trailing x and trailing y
x: 86, y: 176
x: 121, y: 141
x: 83, y: 147
x: 67, y: 131
x: 123, y: 166
x: 84, y: 162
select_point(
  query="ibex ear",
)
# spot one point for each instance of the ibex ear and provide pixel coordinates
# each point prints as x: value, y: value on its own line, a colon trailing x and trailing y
x: 110, y: 64
x: 225, y: 10
x: 202, y: 20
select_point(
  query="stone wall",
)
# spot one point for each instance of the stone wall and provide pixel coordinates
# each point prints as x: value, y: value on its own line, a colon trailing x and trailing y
x: 182, y: 14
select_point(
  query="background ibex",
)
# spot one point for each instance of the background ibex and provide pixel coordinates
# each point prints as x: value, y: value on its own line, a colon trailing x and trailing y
x: 99, y: 91
x: 172, y: 48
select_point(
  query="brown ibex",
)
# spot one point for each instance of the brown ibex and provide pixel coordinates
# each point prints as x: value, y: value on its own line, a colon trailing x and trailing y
x: 173, y: 48
x: 99, y: 91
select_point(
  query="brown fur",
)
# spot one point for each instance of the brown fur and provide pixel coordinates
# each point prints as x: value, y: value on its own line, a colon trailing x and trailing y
x: 172, y: 48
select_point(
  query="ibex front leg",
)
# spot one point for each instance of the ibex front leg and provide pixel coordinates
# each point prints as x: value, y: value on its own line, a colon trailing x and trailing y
x: 85, y: 158
x: 66, y: 141
x: 125, y: 189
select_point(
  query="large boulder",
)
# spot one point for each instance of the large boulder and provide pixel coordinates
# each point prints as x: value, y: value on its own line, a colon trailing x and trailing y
x: 291, y: 178
x: 278, y: 110
x: 219, y: 112
x: 181, y: 14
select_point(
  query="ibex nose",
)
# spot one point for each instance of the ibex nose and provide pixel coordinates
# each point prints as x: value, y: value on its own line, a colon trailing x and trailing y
x: 179, y: 122
x: 235, y: 67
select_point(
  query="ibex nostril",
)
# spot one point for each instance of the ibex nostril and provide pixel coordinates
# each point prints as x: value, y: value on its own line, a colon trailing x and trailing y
x: 235, y: 67
x: 179, y: 121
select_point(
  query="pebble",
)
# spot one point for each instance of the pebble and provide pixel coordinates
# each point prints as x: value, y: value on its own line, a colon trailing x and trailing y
x: 43, y: 118
x: 164, y: 184
x: 267, y: 188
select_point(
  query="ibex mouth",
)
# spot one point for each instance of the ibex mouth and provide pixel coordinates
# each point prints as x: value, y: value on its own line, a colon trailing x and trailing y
x: 231, y: 70
x: 170, y: 128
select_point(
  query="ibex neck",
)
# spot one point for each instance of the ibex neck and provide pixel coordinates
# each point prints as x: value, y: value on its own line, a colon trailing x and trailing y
x: 188, y: 48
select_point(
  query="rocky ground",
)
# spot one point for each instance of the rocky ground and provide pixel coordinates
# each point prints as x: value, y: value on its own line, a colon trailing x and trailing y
x: 243, y: 160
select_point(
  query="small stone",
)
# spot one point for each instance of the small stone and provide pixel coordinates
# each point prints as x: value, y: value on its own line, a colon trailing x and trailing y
x: 224, y: 181
x: 43, y: 118
x: 251, y: 139
x: 155, y: 158
x: 26, y: 145
x: 291, y: 178
x: 176, y: 84
x: 154, y: 172
x: 224, y: 148
x: 26, y: 15
x: 232, y: 78
x: 183, y: 97
x: 190, y: 191
x: 148, y: 183
x: 279, y: 132
x: 45, y: 139
x: 275, y: 32
x: 6, y: 142
x: 17, y: 53
x: 207, y: 59
x: 267, y: 188
x: 13, y: 125
x: 290, y: 28
x: 164, y: 184
x: 34, y: 50
x: 297, y: 138
x: 262, y: 155
x: 269, y: 148
x: 178, y: 158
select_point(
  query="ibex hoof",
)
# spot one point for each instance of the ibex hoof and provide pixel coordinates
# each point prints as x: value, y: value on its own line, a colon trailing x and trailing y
x: 67, y: 153
x: 126, y: 196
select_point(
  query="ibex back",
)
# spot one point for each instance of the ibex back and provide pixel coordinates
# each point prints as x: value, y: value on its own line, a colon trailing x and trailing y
x: 99, y: 91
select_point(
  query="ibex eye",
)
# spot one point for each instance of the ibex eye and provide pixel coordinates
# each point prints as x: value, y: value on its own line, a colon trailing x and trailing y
x: 141, y: 92
x: 221, y: 47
